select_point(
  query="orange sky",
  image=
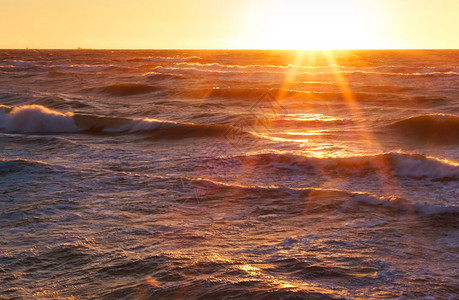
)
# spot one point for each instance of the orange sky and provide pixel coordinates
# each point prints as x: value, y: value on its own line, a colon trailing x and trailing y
x: 245, y: 24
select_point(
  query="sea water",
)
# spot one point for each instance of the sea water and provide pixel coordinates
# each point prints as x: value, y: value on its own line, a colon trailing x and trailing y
x: 229, y: 174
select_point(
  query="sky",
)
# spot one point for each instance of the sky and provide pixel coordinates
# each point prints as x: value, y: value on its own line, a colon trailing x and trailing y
x: 230, y: 24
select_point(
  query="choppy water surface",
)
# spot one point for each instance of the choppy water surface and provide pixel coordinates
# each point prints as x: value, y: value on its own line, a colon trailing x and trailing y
x: 229, y: 174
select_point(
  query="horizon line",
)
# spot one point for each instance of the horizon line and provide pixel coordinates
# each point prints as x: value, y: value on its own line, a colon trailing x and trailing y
x: 227, y: 49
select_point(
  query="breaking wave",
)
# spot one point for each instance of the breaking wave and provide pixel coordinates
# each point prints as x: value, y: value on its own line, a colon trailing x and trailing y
x: 36, y: 118
x: 39, y: 119
x: 320, y: 200
x: 414, y: 166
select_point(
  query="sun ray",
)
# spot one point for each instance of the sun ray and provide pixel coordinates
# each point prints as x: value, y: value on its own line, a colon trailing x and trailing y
x: 388, y: 180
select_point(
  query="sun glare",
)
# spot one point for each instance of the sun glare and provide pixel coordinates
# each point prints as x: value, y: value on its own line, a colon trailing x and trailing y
x: 316, y: 25
x: 229, y: 24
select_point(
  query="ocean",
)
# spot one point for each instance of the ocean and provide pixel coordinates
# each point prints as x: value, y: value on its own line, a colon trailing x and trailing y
x: 192, y: 174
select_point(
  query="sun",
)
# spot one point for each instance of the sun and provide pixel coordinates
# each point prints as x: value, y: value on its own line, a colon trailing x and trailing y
x: 315, y: 25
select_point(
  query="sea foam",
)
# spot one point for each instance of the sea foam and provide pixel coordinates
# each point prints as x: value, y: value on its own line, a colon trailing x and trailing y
x: 36, y: 118
x: 39, y: 119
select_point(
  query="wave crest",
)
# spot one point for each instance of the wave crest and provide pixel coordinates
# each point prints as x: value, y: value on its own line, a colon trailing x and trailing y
x: 9, y: 166
x: 322, y: 200
x: 39, y: 119
x: 36, y: 118
x: 414, y: 166
x: 440, y: 128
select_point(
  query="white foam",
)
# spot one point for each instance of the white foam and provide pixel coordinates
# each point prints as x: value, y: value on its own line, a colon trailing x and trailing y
x: 171, y: 59
x: 36, y: 118
x: 421, y: 166
x: 401, y: 164
x: 149, y: 124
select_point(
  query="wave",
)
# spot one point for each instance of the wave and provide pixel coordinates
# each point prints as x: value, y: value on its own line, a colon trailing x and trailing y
x: 125, y: 89
x: 9, y: 166
x: 196, y: 66
x: 29, y: 69
x: 320, y: 200
x: 226, y: 93
x: 172, y: 59
x: 435, y: 128
x: 156, y: 128
x: 216, y: 67
x: 415, y: 74
x: 42, y: 142
x: 21, y: 63
x: 415, y: 166
x: 296, y: 96
x: 153, y: 76
x: 260, y: 72
x: 56, y: 75
x: 167, y: 59
x: 430, y: 100
x: 61, y: 101
x: 60, y: 69
x: 324, y: 69
x: 36, y: 118
x: 71, y: 69
x: 39, y: 119
x: 5, y: 109
x: 196, y: 72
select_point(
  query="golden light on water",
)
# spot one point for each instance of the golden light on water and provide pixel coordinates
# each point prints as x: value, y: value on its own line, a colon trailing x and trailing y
x: 308, y: 133
x: 310, y: 117
x: 152, y: 281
